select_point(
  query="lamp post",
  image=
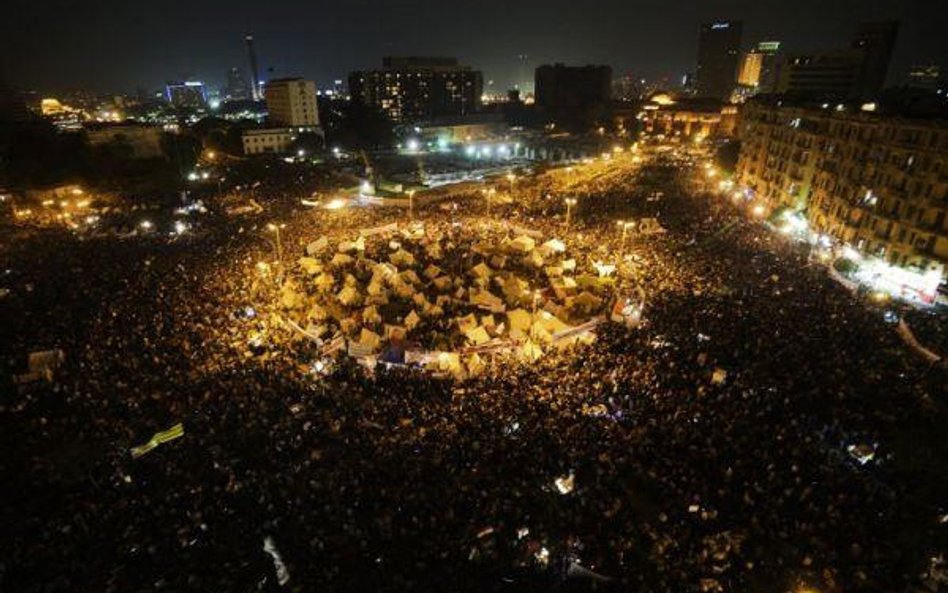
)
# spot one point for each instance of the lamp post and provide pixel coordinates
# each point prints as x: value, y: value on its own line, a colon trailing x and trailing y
x: 570, y: 202
x: 625, y: 226
x: 511, y: 178
x: 275, y: 228
x: 411, y: 204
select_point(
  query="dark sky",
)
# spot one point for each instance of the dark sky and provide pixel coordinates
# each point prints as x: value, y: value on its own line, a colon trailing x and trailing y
x: 116, y: 45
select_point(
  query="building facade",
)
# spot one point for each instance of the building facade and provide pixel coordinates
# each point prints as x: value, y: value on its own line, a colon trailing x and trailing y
x: 856, y: 72
x: 268, y: 141
x: 291, y: 102
x: 719, y: 46
x: 688, y: 117
x: 878, y: 183
x: 408, y: 89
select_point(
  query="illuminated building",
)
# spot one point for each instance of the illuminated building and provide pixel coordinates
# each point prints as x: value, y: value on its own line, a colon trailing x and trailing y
x: 292, y: 102
x: 758, y: 68
x: 190, y: 94
x: 688, y: 117
x: 413, y: 88
x: 268, y: 141
x: 719, y: 44
x: 876, y: 182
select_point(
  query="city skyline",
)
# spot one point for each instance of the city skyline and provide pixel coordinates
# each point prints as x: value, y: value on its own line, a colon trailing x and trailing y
x: 62, y: 46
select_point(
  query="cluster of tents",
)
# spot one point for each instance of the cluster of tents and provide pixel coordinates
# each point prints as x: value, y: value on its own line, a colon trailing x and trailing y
x: 469, y: 296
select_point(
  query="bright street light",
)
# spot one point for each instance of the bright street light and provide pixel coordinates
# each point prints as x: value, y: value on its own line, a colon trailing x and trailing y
x: 570, y: 202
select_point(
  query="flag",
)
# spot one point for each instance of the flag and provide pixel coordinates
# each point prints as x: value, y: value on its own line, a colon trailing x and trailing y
x: 176, y: 431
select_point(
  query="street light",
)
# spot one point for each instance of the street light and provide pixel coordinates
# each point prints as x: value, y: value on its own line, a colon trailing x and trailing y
x: 488, y: 193
x: 625, y: 226
x: 570, y: 202
x: 275, y: 228
x: 411, y: 204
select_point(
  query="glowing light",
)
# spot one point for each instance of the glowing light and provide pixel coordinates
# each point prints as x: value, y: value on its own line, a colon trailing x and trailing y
x: 758, y: 210
x: 336, y: 204
x: 146, y: 224
x: 413, y: 145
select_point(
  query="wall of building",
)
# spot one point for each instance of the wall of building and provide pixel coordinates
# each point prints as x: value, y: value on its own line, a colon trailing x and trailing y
x: 878, y: 183
x: 267, y: 141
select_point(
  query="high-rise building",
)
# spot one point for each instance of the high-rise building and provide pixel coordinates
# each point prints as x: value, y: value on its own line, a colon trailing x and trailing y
x: 561, y: 88
x: 857, y: 72
x: 875, y: 41
x: 237, y: 88
x: 12, y: 106
x: 827, y: 74
x: 414, y: 88
x: 869, y: 179
x: 189, y: 94
x: 719, y: 46
x: 292, y: 102
x: 255, y: 93
x: 758, y: 68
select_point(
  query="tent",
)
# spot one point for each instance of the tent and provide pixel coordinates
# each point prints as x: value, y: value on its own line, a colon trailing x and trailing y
x: 317, y: 246
x: 523, y: 244
x: 402, y: 258
x: 310, y: 265
x: 289, y: 297
x: 604, y: 270
x: 477, y: 336
x: 481, y: 271
x: 349, y: 296
x: 432, y: 272
x: 369, y: 339
x: 519, y: 322
x: 475, y: 365
x: 552, y: 246
x: 487, y: 300
x: 341, y: 259
x: 466, y: 323
x: 371, y: 315
x: 412, y: 320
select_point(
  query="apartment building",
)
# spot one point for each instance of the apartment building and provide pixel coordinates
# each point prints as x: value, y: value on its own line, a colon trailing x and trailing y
x: 877, y: 182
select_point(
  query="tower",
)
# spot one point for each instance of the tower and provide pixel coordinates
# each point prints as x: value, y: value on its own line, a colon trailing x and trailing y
x: 718, y: 46
x: 255, y: 93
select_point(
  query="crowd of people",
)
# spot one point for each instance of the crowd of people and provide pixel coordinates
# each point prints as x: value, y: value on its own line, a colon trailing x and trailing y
x: 760, y: 430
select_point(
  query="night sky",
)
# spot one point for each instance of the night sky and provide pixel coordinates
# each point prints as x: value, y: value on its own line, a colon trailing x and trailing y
x: 118, y: 45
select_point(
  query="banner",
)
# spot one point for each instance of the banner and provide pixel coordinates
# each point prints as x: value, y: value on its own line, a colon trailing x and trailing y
x: 175, y: 432
x: 386, y: 228
x: 575, y: 331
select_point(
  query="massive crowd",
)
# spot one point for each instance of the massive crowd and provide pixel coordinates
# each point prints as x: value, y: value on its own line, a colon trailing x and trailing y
x: 762, y: 430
